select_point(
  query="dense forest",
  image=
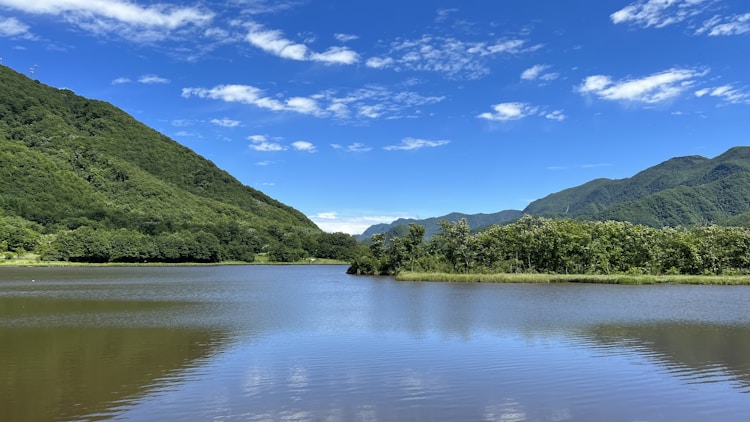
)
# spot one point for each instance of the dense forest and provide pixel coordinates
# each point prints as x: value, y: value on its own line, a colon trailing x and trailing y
x: 561, y: 246
x: 81, y: 180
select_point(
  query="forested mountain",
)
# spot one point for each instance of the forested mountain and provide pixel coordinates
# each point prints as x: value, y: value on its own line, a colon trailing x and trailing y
x: 682, y: 191
x: 72, y: 169
x: 432, y: 225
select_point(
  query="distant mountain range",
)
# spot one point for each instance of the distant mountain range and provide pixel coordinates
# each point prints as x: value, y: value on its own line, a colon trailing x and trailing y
x: 432, y: 225
x: 682, y: 191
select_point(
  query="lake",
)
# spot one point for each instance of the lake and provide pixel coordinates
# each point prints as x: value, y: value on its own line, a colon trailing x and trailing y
x: 311, y: 343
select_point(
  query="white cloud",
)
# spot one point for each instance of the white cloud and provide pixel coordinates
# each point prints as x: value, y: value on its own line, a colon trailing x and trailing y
x: 258, y: 7
x: 345, y: 37
x: 126, y: 18
x: 379, y: 62
x: 355, y: 147
x: 718, y: 26
x: 652, y: 89
x: 225, y: 122
x: 304, y: 146
x: 371, y: 102
x: 121, y: 80
x: 509, y: 111
x: 335, y: 222
x: 413, y: 143
x: 533, y: 72
x: 244, y: 94
x: 152, y: 79
x: 261, y: 143
x: 556, y: 115
x: 538, y: 72
x: 658, y: 13
x: 727, y: 93
x: 304, y: 105
x: 336, y: 55
x: 274, y: 42
x: 358, y: 147
x: 12, y: 27
x: 454, y: 58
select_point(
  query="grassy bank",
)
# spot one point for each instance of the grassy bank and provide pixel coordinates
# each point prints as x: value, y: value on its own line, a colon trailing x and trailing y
x: 575, y: 278
x: 31, y: 260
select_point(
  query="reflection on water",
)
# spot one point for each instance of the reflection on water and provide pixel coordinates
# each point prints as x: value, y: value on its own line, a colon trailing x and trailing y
x: 65, y: 372
x: 311, y: 343
x: 696, y: 353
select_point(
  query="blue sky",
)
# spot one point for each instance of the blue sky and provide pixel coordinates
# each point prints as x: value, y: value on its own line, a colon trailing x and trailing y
x: 361, y: 112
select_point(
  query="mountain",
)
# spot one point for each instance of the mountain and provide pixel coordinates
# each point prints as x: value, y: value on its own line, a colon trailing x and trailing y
x: 68, y: 162
x: 432, y: 225
x: 681, y: 191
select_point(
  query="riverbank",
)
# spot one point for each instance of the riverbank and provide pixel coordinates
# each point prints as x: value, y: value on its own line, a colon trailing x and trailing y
x: 32, y: 260
x: 576, y: 278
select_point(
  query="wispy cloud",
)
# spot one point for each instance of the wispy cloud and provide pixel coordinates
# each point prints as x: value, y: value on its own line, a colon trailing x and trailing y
x: 345, y: 37
x: 125, y: 18
x: 259, y: 7
x: 225, y: 122
x: 722, y: 26
x: 651, y: 89
x: 413, y: 143
x: 153, y: 79
x: 539, y: 72
x: 121, y: 80
x: 659, y: 13
x: 12, y: 27
x: 274, y: 42
x: 355, y: 147
x: 371, y: 102
x: 454, y: 58
x: 261, y: 143
x: 556, y: 115
x: 444, y: 14
x: 727, y: 93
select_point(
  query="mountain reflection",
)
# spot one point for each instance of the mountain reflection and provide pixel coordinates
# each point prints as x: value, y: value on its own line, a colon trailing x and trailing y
x: 82, y: 372
x: 696, y: 353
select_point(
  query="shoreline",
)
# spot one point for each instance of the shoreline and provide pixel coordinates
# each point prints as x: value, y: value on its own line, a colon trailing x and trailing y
x: 622, y: 279
x: 21, y: 263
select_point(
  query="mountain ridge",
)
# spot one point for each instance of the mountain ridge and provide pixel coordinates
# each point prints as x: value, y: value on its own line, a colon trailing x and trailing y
x: 681, y: 191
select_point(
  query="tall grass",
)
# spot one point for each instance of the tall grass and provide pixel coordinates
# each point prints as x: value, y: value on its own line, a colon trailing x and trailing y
x: 575, y: 278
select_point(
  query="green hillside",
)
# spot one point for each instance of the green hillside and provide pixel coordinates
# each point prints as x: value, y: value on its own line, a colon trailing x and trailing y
x: 681, y: 191
x: 73, y: 169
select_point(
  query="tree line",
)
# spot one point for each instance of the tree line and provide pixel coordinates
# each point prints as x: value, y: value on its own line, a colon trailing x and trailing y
x: 225, y: 241
x: 561, y: 246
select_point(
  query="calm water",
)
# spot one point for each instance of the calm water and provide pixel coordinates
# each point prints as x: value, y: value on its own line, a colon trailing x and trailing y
x: 309, y: 343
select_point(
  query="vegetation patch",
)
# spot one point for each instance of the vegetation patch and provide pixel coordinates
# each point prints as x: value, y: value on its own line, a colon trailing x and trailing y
x: 548, y: 250
x: 573, y: 278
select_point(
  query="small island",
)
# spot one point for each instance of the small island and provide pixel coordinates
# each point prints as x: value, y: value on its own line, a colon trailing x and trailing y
x: 548, y: 250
